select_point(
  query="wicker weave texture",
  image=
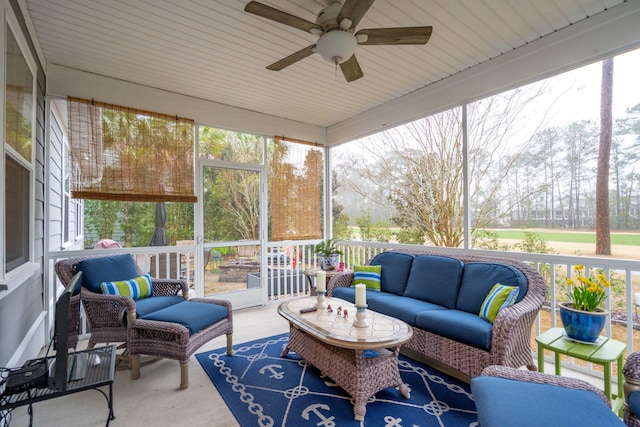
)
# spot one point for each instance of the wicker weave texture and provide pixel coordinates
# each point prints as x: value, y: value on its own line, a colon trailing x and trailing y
x: 172, y: 340
x: 105, y: 313
x: 359, y: 376
x: 511, y: 334
x: 631, y: 372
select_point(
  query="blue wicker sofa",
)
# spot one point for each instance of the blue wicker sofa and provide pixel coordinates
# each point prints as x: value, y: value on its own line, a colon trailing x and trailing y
x: 440, y: 297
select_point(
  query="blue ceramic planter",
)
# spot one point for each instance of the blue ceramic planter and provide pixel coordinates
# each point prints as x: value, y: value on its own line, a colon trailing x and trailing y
x: 582, y: 325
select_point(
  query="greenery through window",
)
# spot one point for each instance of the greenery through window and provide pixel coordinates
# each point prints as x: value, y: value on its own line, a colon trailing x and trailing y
x: 532, y: 163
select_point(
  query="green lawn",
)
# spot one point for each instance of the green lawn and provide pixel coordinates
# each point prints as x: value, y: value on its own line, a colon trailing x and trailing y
x: 572, y: 237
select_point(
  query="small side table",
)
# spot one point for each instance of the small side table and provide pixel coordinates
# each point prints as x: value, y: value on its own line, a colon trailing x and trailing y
x: 313, y: 272
x: 604, y: 353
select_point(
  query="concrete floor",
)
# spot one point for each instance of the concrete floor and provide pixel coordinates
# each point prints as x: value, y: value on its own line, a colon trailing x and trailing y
x: 156, y: 399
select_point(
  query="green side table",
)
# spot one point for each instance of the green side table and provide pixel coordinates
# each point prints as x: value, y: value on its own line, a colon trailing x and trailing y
x: 603, y: 353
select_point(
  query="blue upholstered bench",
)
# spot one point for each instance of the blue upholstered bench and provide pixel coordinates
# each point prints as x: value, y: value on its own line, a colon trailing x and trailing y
x: 177, y: 331
x: 507, y: 397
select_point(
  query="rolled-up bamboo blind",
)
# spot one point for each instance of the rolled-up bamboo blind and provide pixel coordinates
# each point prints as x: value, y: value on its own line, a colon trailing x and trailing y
x: 121, y: 153
x: 295, y: 190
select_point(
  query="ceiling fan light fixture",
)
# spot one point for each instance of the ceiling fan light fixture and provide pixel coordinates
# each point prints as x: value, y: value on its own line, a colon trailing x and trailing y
x: 337, y: 46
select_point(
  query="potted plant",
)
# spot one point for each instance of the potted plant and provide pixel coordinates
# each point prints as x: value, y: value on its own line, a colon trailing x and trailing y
x: 328, y: 254
x: 582, y: 316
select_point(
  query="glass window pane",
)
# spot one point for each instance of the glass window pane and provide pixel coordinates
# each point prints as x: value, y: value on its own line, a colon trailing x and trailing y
x: 17, y: 214
x: 230, y: 146
x: 19, y: 100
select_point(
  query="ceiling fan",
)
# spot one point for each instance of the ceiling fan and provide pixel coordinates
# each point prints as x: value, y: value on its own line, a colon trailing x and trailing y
x: 337, y: 42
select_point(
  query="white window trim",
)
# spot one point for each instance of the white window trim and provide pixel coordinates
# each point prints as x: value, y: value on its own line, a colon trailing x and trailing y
x: 20, y: 275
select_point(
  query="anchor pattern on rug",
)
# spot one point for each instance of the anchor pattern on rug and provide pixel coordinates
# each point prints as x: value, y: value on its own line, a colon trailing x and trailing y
x: 270, y: 391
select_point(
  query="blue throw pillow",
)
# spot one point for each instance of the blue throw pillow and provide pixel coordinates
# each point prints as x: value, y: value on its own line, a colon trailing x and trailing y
x: 136, y: 288
x: 500, y: 297
x: 368, y: 275
x: 106, y: 269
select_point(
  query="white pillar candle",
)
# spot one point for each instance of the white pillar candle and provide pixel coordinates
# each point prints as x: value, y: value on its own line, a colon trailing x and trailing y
x: 321, y: 281
x: 361, y: 295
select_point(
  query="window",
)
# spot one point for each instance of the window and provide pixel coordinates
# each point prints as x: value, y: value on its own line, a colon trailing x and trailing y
x: 18, y: 153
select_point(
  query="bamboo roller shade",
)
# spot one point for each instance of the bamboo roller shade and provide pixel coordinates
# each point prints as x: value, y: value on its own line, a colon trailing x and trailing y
x: 126, y: 154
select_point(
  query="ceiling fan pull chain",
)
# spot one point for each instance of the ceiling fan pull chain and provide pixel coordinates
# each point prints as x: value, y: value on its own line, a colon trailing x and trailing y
x: 335, y: 72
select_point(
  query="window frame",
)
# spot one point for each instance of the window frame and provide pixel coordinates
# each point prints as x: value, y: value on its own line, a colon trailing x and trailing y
x: 11, y: 280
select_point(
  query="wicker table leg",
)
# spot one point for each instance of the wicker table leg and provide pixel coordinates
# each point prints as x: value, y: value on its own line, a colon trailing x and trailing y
x: 360, y: 377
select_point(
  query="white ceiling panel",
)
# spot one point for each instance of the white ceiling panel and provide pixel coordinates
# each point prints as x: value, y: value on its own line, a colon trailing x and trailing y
x: 213, y: 50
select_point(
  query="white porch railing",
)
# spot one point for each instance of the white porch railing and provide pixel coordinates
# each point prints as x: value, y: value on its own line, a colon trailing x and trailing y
x: 301, y: 256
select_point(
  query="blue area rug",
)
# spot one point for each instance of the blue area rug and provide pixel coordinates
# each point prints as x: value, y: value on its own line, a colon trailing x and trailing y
x: 263, y: 389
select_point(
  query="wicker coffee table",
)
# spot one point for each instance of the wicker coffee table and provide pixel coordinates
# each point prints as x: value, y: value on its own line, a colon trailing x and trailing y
x: 332, y: 344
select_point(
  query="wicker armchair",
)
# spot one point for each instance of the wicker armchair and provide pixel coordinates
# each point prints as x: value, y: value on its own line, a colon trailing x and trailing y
x: 106, y: 313
x: 507, y: 396
x: 631, y: 372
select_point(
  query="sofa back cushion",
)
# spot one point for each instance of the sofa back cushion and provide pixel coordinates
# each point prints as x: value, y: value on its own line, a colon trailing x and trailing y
x: 395, y: 270
x: 478, y: 278
x: 435, y: 279
x: 106, y: 269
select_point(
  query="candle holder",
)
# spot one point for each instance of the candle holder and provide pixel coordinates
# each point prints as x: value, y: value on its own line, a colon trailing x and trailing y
x: 361, y: 318
x: 321, y: 303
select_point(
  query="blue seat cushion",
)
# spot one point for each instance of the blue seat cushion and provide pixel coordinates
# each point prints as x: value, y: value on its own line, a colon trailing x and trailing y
x: 457, y: 325
x: 106, y: 269
x: 401, y: 307
x: 396, y: 267
x: 634, y: 403
x: 195, y: 316
x: 504, y: 402
x: 345, y: 293
x: 435, y: 279
x: 479, y: 277
x: 349, y: 294
x: 151, y: 304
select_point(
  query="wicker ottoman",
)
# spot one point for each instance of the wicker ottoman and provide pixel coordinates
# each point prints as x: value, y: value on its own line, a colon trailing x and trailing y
x: 176, y: 332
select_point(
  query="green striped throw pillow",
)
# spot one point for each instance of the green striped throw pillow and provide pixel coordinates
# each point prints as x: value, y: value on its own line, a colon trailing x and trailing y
x: 136, y: 288
x: 501, y: 296
x: 368, y: 275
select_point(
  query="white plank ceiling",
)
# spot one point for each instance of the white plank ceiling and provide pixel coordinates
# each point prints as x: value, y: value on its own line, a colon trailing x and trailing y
x: 213, y: 50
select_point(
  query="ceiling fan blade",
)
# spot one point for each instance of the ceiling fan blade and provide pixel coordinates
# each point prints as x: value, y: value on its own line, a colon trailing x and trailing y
x: 351, y: 69
x: 279, y: 16
x: 402, y: 35
x: 293, y: 58
x: 354, y: 10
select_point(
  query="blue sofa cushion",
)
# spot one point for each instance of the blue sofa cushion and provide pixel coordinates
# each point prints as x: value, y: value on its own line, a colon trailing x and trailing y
x: 479, y: 277
x: 457, y: 325
x: 347, y: 294
x: 106, y: 269
x: 435, y: 279
x: 195, y: 316
x: 634, y: 403
x: 401, y: 307
x: 396, y: 267
x: 149, y: 305
x: 504, y: 402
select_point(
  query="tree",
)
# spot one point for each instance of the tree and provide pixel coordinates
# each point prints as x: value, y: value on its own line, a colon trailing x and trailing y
x: 603, y: 237
x: 101, y: 216
x: 420, y: 171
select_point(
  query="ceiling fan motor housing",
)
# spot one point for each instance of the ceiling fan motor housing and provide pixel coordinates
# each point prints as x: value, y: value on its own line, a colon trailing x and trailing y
x: 337, y: 46
x: 328, y: 17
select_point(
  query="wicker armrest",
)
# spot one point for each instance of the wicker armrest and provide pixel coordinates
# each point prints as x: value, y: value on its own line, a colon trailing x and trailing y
x: 170, y: 287
x: 541, y: 378
x: 339, y: 280
x: 631, y: 370
x: 106, y: 310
